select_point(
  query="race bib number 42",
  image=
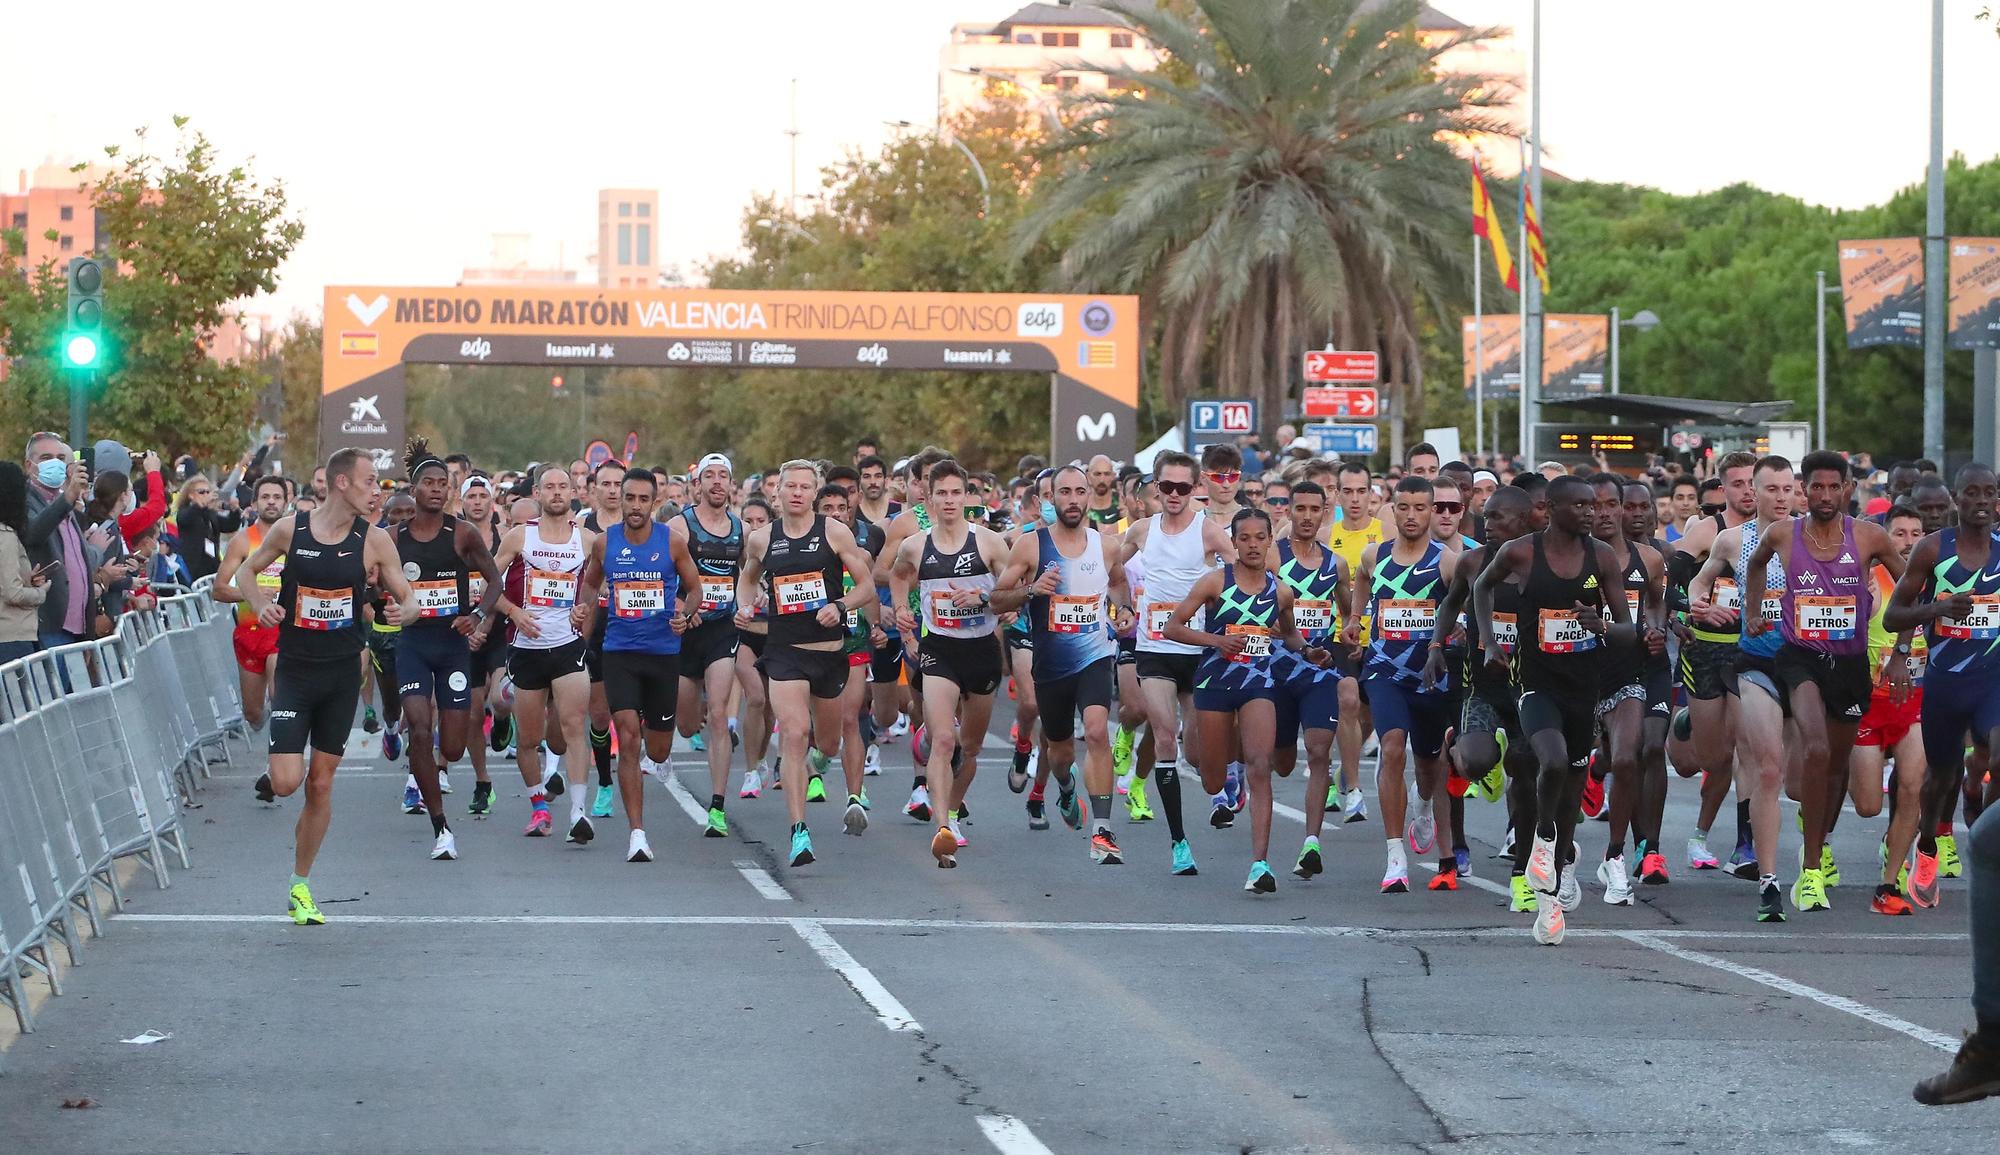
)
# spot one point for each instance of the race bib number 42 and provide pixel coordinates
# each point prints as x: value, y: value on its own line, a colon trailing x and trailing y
x: 323, y: 609
x: 798, y: 593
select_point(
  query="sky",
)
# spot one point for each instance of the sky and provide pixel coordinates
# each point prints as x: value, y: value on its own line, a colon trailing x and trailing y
x: 407, y: 134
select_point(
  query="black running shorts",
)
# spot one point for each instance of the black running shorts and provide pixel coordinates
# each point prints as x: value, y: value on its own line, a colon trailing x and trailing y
x: 1063, y: 698
x: 646, y: 684
x: 538, y: 669
x: 312, y: 704
x: 823, y: 671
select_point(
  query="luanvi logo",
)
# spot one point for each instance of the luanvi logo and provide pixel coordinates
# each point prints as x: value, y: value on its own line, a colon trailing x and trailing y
x: 367, y: 311
x: 1099, y: 428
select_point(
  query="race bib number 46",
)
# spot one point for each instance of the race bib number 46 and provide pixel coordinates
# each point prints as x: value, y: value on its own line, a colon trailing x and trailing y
x: 556, y: 591
x: 798, y: 593
x: 1982, y: 623
x: 1820, y: 619
x: 1405, y: 619
x: 1073, y: 613
x: 323, y: 609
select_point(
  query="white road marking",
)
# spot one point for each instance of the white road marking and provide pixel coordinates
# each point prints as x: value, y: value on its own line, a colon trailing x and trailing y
x: 760, y: 878
x: 1299, y: 816
x: 892, y: 1013
x: 1941, y: 1041
x: 1010, y: 1136
x: 695, y: 810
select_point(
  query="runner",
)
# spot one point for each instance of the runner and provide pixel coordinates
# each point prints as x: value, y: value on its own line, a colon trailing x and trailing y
x: 709, y: 669
x: 381, y: 656
x: 1891, y: 728
x: 1103, y: 509
x: 1078, y: 590
x: 1397, y: 588
x: 753, y: 720
x: 950, y: 567
x: 256, y: 646
x: 606, y: 485
x: 1625, y: 706
x: 329, y: 555
x: 913, y: 519
x: 1173, y: 548
x: 1956, y: 574
x: 1348, y: 536
x: 548, y: 664
x: 798, y: 561
x: 433, y: 657
x: 649, y: 580
x: 1308, y: 695
x: 1823, y: 661
x: 489, y: 657
x: 1558, y: 670
x: 834, y: 502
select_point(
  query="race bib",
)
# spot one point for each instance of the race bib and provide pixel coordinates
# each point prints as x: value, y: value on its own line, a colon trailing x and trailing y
x: 1726, y: 595
x: 556, y: 591
x: 1405, y: 619
x: 1983, y: 623
x: 638, y: 599
x: 1156, y: 621
x: 1256, y: 642
x: 949, y: 615
x: 323, y: 609
x: 436, y: 599
x: 1822, y: 619
x: 1632, y: 603
x: 1506, y: 631
x: 1074, y: 613
x: 1563, y: 633
x: 475, y: 588
x: 1916, y: 662
x: 798, y: 593
x: 717, y: 593
x: 1772, y: 605
x: 272, y: 577
x: 1312, y: 616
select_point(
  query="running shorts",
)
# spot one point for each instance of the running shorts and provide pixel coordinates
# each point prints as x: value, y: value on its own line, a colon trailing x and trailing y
x: 312, y: 704
x: 1223, y: 700
x: 1762, y: 674
x: 1307, y: 704
x: 1542, y: 710
x: 538, y: 669
x: 1886, y: 724
x: 1063, y: 698
x: 381, y: 645
x: 1128, y: 651
x: 1630, y: 692
x: 706, y: 644
x: 1843, y: 679
x: 1019, y: 640
x: 254, y: 647
x: 753, y: 641
x: 644, y: 683
x: 1708, y: 669
x: 1176, y: 668
x: 435, y: 664
x: 1959, y: 710
x: 485, y: 661
x: 823, y: 671
x: 1659, y: 682
x: 972, y: 663
x: 885, y: 665
x: 1489, y: 714
x: 1400, y: 706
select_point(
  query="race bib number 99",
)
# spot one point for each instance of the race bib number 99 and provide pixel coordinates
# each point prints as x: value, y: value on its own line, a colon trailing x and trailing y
x: 556, y: 591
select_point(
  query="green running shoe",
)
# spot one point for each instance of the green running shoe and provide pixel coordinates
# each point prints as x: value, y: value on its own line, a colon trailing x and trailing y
x: 304, y: 911
x: 718, y: 824
x: 1947, y: 856
x: 1137, y: 808
x: 600, y: 807
x: 1071, y: 813
x: 1309, y: 861
x: 1523, y: 896
x: 1809, y: 892
x: 1829, y: 870
x: 1122, y: 743
x: 815, y: 789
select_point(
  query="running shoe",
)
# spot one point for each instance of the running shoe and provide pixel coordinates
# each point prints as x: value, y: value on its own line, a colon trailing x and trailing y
x: 753, y: 784
x: 553, y: 785
x: 1234, y: 792
x: 1593, y: 793
x: 392, y: 744
x: 510, y: 754
x: 1653, y: 868
x: 1184, y: 859
x: 1617, y: 883
x: 637, y: 849
x: 1333, y: 795
x: 802, y: 847
x: 1947, y: 856
x: 871, y: 762
x: 444, y: 782
x: 265, y: 792
x: 1396, y: 879
x: 955, y: 824
x: 1122, y: 742
x: 1455, y: 786
x: 601, y: 806
x: 1682, y: 725
x: 1890, y: 901
x: 718, y: 824
x: 1743, y: 862
x: 413, y: 802
x: 919, y: 805
x: 1421, y: 832
x: 1309, y: 862
x: 1122, y: 784
x: 1493, y: 787
x: 1771, y: 904
x: 369, y: 723
x: 855, y: 820
x: 1353, y: 805
x: 445, y: 849
x: 1568, y: 892
x: 698, y: 743
x: 1523, y: 899
x: 1137, y: 807
x: 1038, y: 818
x: 775, y: 776
x: 1072, y: 814
x: 539, y: 823
x: 1700, y: 857
x: 1462, y: 862
x: 1104, y: 848
x: 1261, y: 881
x: 1017, y: 774
x: 304, y: 911
x: 502, y: 734
x: 863, y: 799
x: 1549, y: 923
x: 580, y: 831
x: 1829, y: 870
x: 1221, y: 816
x: 1924, y: 882
x: 1444, y: 880
x: 920, y: 744
x: 944, y: 848
x: 1974, y: 1074
x: 899, y: 727
x: 815, y: 789
x: 482, y: 800
x: 1542, y: 865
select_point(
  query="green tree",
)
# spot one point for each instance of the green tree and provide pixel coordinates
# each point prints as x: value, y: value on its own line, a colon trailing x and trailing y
x: 185, y: 236
x: 296, y: 364
x: 1287, y: 174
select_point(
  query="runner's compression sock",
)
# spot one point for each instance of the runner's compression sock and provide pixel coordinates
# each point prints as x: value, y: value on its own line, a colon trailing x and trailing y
x: 1742, y: 822
x: 600, y: 752
x: 298, y: 880
x: 1100, y: 812
x: 1167, y: 785
x: 715, y: 802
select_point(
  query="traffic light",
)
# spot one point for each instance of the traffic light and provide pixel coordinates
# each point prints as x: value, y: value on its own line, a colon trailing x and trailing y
x: 83, y: 335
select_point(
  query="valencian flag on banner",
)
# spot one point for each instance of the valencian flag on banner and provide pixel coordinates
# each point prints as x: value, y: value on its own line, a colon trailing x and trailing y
x: 1486, y: 224
x: 1538, y: 256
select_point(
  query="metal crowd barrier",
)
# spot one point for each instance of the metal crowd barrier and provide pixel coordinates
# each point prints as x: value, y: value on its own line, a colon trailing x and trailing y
x: 102, y: 747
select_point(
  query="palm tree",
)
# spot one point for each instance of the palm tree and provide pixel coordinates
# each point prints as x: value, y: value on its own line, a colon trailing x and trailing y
x: 1286, y: 176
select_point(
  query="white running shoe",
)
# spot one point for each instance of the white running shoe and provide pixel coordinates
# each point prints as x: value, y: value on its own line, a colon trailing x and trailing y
x: 1354, y: 806
x: 957, y: 831
x: 1370, y: 745
x: 1422, y: 833
x: 919, y: 805
x: 637, y: 849
x: 753, y: 783
x: 900, y: 727
x: 856, y: 818
x: 1617, y: 881
x: 1549, y: 923
x: 1568, y: 892
x: 1542, y: 865
x: 1700, y: 857
x: 444, y: 782
x: 445, y: 849
x: 871, y: 763
x: 655, y: 770
x: 1124, y: 785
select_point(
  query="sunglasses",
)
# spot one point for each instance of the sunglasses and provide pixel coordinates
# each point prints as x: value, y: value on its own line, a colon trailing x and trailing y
x: 1225, y: 477
x: 1450, y: 507
x: 1176, y: 488
x: 1280, y: 502
x: 1711, y: 510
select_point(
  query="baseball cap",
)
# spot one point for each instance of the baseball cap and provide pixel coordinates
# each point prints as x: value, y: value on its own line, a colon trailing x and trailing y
x: 713, y: 459
x: 478, y: 479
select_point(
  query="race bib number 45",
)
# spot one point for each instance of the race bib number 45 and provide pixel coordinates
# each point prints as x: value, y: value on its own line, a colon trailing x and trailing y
x: 436, y: 599
x: 323, y: 609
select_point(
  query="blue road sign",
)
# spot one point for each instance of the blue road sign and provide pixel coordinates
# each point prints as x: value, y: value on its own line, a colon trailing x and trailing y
x: 1348, y: 440
x: 1220, y: 419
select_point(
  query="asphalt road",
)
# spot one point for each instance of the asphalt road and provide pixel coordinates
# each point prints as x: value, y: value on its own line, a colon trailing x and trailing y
x: 536, y: 996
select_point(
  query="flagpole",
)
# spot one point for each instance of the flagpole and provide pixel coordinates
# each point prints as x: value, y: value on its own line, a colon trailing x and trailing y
x: 1478, y: 354
x: 1528, y: 261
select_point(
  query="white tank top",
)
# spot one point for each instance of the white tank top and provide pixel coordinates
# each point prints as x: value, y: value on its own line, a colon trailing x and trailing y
x: 1172, y: 564
x: 549, y: 573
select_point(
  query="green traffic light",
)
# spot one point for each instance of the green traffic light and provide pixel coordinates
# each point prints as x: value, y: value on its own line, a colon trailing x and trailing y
x: 80, y: 350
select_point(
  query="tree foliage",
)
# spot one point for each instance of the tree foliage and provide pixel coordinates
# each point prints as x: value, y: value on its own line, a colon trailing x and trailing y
x: 186, y: 235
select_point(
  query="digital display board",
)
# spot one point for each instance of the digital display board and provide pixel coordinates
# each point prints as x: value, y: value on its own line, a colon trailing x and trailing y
x: 1620, y: 444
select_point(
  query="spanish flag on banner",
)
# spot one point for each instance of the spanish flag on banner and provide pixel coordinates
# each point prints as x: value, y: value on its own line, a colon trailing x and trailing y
x: 1538, y: 257
x: 1486, y: 223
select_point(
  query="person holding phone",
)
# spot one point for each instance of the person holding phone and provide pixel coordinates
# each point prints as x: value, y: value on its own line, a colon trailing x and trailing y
x: 58, y: 482
x: 23, y: 586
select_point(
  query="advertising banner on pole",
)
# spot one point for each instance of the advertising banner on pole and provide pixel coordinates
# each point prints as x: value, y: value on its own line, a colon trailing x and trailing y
x: 1502, y: 346
x: 1975, y: 293
x: 1576, y: 347
x: 1882, y: 291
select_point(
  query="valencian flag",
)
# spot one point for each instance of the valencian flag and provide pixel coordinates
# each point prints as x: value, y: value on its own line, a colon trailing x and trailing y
x: 1538, y: 257
x: 1486, y: 223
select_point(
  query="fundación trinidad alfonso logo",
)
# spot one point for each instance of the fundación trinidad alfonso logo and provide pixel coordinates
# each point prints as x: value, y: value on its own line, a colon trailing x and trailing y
x: 367, y: 311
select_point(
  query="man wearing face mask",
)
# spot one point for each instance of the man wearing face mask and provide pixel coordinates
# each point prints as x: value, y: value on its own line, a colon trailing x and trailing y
x: 56, y: 489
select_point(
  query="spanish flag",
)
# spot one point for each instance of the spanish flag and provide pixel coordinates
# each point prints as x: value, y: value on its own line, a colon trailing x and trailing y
x: 1486, y: 223
x: 1538, y: 257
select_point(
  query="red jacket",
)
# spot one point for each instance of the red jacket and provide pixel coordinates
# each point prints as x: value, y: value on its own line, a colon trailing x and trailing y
x: 148, y: 514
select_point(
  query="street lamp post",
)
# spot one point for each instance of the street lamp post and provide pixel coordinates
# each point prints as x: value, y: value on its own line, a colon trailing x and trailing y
x: 1642, y: 320
x: 1820, y: 294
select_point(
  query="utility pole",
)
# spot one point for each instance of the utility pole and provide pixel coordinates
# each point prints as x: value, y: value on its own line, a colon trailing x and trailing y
x: 792, y: 202
x: 1531, y: 285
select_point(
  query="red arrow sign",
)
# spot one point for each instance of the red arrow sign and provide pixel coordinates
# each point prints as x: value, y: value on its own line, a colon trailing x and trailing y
x: 1349, y: 401
x: 1336, y: 366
